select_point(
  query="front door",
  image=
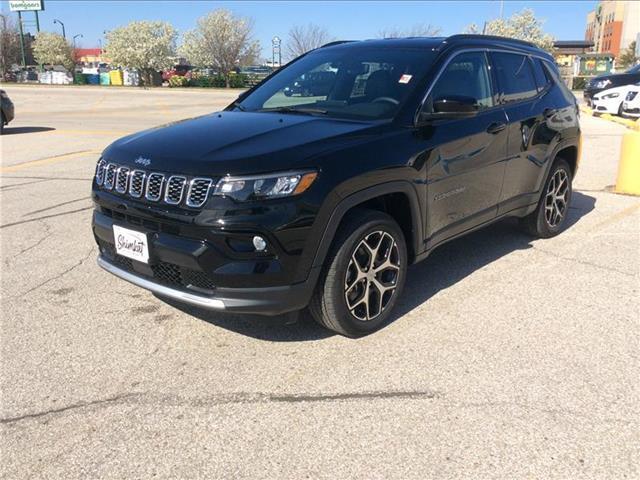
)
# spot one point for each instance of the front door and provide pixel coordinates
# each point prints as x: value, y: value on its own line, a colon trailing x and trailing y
x: 464, y: 157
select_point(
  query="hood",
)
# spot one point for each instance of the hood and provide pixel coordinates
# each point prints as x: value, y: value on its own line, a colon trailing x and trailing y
x: 617, y: 78
x: 236, y: 143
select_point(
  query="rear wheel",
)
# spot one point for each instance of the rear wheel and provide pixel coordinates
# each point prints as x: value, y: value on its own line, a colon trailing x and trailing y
x: 549, y: 217
x: 364, y: 275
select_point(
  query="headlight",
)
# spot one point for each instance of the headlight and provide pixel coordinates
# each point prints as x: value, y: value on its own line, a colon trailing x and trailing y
x: 611, y: 95
x: 602, y: 83
x: 259, y: 187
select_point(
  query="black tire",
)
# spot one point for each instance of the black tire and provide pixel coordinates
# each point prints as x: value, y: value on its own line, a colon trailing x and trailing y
x: 546, y: 220
x: 329, y: 303
x: 620, y: 112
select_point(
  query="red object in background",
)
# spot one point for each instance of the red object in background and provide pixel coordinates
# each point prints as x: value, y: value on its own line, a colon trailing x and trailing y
x: 179, y: 70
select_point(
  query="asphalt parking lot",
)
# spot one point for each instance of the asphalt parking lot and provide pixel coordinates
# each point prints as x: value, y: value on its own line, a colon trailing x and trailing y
x: 508, y: 357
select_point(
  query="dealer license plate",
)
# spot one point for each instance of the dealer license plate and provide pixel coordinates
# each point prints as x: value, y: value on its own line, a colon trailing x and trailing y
x: 131, y: 244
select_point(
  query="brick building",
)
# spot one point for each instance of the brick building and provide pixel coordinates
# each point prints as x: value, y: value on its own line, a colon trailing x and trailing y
x: 613, y: 25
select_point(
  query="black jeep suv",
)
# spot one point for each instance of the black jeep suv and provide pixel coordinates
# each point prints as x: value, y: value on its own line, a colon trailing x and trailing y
x: 282, y: 202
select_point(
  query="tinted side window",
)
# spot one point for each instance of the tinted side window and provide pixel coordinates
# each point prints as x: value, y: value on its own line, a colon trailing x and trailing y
x: 466, y: 75
x: 514, y: 77
x: 542, y: 80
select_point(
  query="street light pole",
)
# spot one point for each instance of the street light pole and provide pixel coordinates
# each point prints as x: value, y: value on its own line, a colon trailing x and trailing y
x: 64, y: 34
x: 74, y: 39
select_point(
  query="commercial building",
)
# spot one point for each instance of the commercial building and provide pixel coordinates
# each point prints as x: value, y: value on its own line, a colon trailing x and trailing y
x: 613, y: 25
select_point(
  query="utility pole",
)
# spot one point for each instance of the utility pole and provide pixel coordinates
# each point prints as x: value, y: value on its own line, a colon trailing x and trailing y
x: 24, y: 56
x: 64, y: 34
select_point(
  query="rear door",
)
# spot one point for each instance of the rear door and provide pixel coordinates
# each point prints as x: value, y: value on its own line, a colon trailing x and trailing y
x: 465, y: 157
x: 528, y: 107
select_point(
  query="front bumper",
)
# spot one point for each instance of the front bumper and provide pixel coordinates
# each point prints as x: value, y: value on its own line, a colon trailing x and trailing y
x: 262, y: 301
x: 203, y: 266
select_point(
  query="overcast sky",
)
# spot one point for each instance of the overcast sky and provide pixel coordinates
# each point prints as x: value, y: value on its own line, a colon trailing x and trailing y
x: 355, y: 20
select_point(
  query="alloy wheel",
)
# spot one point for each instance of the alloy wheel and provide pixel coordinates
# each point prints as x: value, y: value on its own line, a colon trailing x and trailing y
x: 372, y: 275
x: 555, y: 203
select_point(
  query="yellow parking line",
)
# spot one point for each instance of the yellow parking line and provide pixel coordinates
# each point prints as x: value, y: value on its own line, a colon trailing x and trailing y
x: 47, y: 161
x: 90, y: 132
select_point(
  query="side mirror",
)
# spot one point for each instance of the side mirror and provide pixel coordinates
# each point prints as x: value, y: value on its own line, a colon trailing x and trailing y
x: 457, y: 105
x: 450, y: 107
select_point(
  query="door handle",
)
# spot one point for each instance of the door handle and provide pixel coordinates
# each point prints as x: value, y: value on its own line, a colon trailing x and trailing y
x: 548, y: 112
x: 496, y: 127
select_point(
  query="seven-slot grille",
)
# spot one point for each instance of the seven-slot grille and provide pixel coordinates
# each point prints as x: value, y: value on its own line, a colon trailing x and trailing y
x: 198, y: 191
x: 110, y: 176
x: 136, y: 185
x: 175, y: 187
x: 155, y: 186
x: 122, y: 180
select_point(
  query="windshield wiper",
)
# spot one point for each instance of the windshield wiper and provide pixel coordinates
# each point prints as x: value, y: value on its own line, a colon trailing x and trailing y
x: 304, y: 111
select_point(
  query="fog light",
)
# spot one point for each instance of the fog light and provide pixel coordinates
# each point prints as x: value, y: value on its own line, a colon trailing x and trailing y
x: 259, y: 243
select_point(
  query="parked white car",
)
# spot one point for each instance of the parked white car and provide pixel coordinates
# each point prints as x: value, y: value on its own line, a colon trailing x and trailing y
x: 610, y: 101
x: 631, y: 104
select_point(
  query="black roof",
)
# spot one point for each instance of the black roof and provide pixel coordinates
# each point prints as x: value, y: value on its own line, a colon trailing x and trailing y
x: 441, y: 43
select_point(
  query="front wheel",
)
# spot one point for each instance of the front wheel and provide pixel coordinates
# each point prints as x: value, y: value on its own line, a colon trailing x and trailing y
x: 364, y: 275
x: 549, y: 217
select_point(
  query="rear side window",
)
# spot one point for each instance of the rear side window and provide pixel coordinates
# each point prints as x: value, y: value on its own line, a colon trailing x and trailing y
x: 542, y: 79
x: 515, y: 77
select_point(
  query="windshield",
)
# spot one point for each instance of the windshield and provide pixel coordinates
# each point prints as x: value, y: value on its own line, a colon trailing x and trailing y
x: 355, y: 83
x: 635, y: 69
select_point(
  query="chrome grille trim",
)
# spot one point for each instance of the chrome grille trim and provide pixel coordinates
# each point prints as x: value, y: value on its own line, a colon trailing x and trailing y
x: 198, y: 192
x: 154, y: 186
x: 110, y: 176
x: 122, y: 179
x: 175, y: 189
x: 192, y: 192
x: 136, y: 184
x: 100, y: 170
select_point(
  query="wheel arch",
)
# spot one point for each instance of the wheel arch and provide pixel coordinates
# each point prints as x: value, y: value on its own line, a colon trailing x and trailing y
x: 392, y: 198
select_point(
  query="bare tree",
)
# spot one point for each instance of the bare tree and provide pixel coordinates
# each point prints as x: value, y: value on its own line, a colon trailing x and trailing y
x: 9, y: 45
x: 303, y: 38
x: 221, y: 40
x: 417, y: 30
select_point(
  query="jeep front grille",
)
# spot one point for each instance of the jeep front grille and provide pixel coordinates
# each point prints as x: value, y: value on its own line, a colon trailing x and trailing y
x: 110, y: 176
x: 100, y: 169
x: 155, y: 186
x: 175, y: 188
x: 198, y: 191
x: 136, y: 184
x: 122, y: 180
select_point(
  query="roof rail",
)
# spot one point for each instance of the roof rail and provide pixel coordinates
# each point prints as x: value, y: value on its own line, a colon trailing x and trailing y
x: 479, y: 36
x: 337, y: 42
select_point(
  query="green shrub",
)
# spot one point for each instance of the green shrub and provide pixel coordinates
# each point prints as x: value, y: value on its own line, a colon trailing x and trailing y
x: 178, y: 81
x: 579, y: 83
x: 238, y: 80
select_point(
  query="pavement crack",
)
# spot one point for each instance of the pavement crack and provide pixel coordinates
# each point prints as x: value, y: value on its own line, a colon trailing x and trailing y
x: 56, y: 206
x: 583, y: 262
x: 73, y: 406
x: 168, y: 400
x: 47, y: 232
x: 45, y: 216
x: 61, y: 274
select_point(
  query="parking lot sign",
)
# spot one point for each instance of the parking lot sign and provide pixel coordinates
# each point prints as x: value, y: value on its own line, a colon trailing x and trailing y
x: 26, y: 5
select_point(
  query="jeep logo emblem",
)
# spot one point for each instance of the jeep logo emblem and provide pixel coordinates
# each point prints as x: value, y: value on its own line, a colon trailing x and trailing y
x: 143, y: 161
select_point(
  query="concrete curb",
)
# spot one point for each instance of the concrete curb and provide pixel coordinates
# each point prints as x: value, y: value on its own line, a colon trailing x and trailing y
x: 632, y: 124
